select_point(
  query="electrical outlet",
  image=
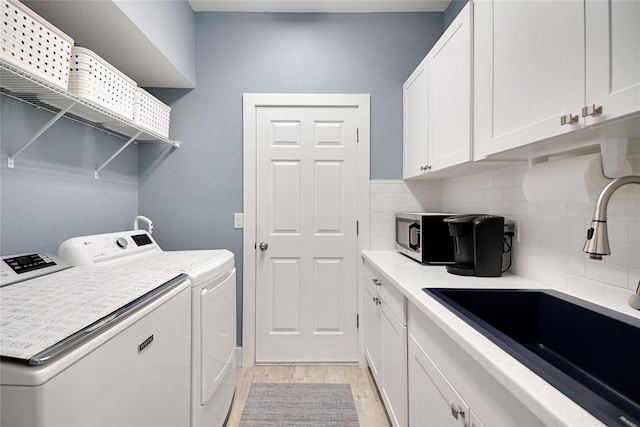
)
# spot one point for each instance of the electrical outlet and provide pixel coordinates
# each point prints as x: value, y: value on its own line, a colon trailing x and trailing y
x: 516, y: 228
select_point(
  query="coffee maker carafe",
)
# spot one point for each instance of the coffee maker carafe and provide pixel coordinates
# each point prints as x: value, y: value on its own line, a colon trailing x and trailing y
x: 478, y: 245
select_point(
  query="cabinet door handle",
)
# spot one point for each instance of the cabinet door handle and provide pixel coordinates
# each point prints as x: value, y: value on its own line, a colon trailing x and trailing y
x: 591, y: 110
x: 569, y: 119
x: 456, y: 412
x: 376, y: 282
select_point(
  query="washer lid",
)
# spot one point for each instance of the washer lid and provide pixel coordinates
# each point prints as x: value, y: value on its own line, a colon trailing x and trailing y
x: 40, y: 313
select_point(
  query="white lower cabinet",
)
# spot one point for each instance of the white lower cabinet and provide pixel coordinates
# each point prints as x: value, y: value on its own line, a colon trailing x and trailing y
x: 385, y: 332
x: 372, y: 331
x: 432, y: 399
x: 447, y: 387
x: 393, y: 335
x: 425, y: 378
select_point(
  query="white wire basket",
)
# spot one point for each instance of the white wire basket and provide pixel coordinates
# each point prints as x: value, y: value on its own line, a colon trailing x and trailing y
x: 94, y: 79
x: 150, y: 113
x: 33, y: 45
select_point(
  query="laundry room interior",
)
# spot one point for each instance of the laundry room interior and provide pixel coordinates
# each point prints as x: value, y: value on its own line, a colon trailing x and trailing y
x: 420, y: 208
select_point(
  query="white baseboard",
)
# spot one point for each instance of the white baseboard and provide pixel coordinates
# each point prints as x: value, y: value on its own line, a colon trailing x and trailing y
x: 239, y: 357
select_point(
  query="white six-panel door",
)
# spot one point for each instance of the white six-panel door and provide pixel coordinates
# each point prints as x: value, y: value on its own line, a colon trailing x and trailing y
x: 306, y: 206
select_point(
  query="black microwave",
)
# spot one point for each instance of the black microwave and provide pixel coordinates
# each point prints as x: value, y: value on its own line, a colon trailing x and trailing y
x: 425, y: 237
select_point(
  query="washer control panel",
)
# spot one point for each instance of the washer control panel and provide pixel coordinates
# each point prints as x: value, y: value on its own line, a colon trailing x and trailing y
x: 19, y: 267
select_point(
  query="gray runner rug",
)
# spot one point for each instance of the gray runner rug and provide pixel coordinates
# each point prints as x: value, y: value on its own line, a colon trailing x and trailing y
x: 276, y: 404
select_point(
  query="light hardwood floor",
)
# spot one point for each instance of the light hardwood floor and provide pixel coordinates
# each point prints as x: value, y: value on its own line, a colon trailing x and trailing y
x: 371, y: 412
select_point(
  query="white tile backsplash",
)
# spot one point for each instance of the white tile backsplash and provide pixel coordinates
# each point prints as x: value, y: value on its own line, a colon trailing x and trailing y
x: 391, y: 196
x: 551, y: 234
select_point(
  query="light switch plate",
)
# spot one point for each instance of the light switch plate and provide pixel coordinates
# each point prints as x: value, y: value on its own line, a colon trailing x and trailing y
x: 238, y: 220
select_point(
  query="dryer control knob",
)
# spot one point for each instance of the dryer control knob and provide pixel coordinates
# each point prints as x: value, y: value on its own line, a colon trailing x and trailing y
x: 121, y: 242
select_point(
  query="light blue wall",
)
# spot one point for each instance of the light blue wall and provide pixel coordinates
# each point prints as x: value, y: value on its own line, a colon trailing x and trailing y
x: 453, y: 10
x: 51, y: 193
x: 170, y: 26
x: 192, y: 193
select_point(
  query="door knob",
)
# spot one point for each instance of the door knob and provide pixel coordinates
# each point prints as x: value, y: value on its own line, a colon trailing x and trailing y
x: 263, y: 246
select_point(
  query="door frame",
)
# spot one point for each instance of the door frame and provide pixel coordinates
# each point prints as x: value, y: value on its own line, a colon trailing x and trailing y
x: 250, y: 104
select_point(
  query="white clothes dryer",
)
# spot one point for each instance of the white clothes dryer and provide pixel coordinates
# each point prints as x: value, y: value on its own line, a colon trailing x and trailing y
x: 213, y: 308
x: 87, y: 346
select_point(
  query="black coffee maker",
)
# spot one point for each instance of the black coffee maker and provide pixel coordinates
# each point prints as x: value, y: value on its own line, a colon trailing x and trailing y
x: 478, y: 245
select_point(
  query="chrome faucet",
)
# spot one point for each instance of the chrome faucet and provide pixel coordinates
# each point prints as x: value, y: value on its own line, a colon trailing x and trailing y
x: 597, y: 243
x: 634, y: 300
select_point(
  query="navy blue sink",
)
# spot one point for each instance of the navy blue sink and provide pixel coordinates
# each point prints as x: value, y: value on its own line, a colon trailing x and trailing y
x: 588, y: 352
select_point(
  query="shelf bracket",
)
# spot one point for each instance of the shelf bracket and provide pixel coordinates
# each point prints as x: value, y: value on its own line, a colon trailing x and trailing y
x: 40, y: 132
x: 133, y: 138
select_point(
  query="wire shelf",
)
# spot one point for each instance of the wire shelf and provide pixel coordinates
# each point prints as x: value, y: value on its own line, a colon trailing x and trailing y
x: 20, y: 85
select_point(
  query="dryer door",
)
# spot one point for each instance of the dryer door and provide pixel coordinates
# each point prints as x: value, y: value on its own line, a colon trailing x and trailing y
x: 218, y: 326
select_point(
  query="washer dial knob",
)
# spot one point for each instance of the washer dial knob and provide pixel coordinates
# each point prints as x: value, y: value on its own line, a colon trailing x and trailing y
x: 122, y: 242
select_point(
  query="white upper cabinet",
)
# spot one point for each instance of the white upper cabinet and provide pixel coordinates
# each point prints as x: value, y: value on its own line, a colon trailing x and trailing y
x: 437, y: 103
x: 528, y: 72
x: 612, y: 58
x: 450, y: 95
x: 546, y: 68
x: 416, y: 121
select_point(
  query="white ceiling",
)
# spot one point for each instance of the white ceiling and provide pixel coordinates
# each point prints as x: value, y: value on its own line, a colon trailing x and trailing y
x: 315, y: 6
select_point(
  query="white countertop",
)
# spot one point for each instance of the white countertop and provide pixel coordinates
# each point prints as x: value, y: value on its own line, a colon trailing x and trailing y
x: 544, y: 400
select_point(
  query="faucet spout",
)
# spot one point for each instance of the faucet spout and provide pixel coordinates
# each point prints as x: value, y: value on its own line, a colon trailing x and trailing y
x: 597, y: 243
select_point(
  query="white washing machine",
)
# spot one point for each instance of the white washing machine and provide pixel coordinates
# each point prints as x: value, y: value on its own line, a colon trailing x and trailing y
x: 86, y: 346
x: 213, y: 308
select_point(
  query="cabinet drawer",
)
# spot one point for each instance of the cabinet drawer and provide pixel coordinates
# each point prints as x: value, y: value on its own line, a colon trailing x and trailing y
x: 393, y: 298
x: 389, y: 294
